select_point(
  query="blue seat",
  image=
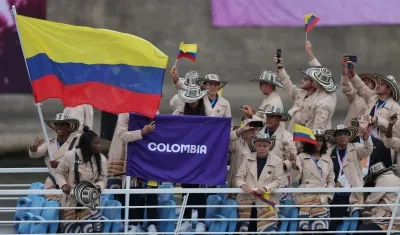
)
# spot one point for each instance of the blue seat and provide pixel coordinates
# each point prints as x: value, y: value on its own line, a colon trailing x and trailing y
x: 22, y: 207
x: 348, y: 225
x: 211, y: 211
x: 36, y: 186
x: 25, y: 228
x: 112, y: 214
x: 222, y: 195
x: 50, y: 212
x: 39, y: 226
x: 218, y: 226
x: 288, y: 212
x: 230, y: 213
x: 165, y: 196
x: 167, y: 213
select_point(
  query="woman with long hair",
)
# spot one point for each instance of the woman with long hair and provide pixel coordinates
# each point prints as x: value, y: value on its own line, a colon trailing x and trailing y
x: 316, y: 171
x: 194, y: 105
x: 85, y: 163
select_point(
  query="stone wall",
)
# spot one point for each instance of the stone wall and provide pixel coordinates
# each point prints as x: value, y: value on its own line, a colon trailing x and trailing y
x: 236, y: 54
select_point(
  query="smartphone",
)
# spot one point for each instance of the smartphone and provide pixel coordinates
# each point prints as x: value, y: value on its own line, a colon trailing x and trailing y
x: 352, y: 58
x: 256, y: 124
x: 279, y: 54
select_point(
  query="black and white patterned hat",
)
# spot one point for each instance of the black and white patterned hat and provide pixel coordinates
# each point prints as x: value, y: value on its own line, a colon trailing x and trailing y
x: 268, y: 77
x: 323, y: 76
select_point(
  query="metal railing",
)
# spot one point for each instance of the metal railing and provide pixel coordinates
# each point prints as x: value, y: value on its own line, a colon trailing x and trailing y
x: 188, y: 191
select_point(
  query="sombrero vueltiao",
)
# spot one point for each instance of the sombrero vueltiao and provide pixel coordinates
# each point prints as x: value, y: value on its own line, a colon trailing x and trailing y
x: 191, y: 78
x: 373, y: 77
x: 268, y: 77
x: 321, y: 75
x: 391, y: 81
x: 63, y: 118
x: 330, y: 134
x: 263, y: 137
x: 212, y: 78
x: 319, y: 133
x: 376, y: 170
x: 192, y: 94
x: 276, y: 110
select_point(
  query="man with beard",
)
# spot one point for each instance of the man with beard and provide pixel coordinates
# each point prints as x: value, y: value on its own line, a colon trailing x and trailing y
x: 303, y: 95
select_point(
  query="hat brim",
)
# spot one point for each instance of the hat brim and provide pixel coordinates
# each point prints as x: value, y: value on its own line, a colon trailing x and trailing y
x: 371, y: 177
x: 328, y: 87
x: 271, y: 141
x: 202, y: 82
x: 277, y: 83
x: 185, y: 85
x: 373, y: 77
x: 182, y: 96
x: 394, y: 86
x: 73, y: 123
x: 330, y: 134
x: 284, y: 116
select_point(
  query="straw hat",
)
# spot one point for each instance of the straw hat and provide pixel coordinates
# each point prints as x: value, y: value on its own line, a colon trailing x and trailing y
x: 391, y: 81
x: 323, y: 76
x: 373, y: 77
x: 330, y: 134
x: 268, y: 77
x: 191, y: 78
x: 263, y: 137
x: 214, y: 78
x: 376, y: 170
x: 192, y: 94
x: 276, y: 110
x: 63, y: 118
x: 319, y: 133
x: 355, y: 121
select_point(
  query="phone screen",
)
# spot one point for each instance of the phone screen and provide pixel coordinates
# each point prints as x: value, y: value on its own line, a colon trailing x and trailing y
x: 352, y: 58
x: 256, y: 124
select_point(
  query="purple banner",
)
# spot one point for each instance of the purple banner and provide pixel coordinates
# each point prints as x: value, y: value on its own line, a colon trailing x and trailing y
x: 182, y: 149
x: 239, y: 13
x: 13, y: 75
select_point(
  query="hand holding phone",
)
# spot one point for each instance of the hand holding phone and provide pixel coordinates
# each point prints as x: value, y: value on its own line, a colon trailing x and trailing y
x: 278, y: 55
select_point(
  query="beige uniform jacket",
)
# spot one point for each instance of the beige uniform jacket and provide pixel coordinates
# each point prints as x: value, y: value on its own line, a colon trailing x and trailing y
x: 357, y: 104
x: 84, y: 113
x: 270, y: 178
x: 383, y: 114
x: 352, y: 167
x: 238, y: 150
x: 297, y: 94
x: 272, y: 99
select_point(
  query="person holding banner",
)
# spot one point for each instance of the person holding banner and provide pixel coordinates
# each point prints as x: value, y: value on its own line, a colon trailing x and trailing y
x: 191, y: 78
x: 239, y: 146
x: 264, y: 172
x: 65, y: 140
x: 117, y: 170
x: 316, y: 170
x: 193, y: 101
x: 346, y: 158
x: 213, y: 84
x: 303, y: 95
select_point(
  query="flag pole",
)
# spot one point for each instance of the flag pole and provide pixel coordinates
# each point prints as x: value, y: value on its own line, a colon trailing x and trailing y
x: 39, y: 109
x: 176, y: 62
x: 306, y: 37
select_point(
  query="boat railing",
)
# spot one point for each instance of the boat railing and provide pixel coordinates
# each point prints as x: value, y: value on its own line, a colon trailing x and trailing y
x: 17, y: 193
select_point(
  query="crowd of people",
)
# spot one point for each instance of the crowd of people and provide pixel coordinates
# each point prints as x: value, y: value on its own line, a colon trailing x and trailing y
x: 262, y: 155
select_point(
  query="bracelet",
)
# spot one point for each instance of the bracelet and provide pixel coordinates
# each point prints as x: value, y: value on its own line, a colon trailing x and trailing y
x: 279, y: 67
x: 141, y: 132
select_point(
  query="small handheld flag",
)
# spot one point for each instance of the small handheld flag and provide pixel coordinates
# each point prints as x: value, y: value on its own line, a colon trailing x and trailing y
x: 265, y: 199
x: 310, y: 21
x: 304, y: 134
x: 188, y: 51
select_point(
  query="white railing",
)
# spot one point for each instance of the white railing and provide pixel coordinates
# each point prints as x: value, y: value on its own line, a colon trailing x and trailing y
x: 127, y: 192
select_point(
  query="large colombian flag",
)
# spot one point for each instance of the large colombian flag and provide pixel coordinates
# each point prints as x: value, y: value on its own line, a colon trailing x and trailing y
x: 114, y: 72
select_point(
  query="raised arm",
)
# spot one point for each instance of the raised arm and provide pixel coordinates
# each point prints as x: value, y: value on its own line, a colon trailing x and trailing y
x: 122, y: 129
x: 348, y: 89
x: 38, y: 148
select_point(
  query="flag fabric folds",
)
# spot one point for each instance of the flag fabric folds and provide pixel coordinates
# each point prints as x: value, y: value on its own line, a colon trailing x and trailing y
x: 265, y: 199
x: 182, y: 149
x: 304, y: 134
x: 310, y: 21
x: 115, y: 72
x: 188, y: 51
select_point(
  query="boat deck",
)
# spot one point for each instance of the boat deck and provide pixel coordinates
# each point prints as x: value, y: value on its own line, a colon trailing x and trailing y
x: 7, y: 229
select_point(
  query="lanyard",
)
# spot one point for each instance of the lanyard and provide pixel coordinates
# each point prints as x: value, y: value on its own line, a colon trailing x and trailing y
x: 58, y: 144
x: 379, y: 107
x: 316, y: 163
x: 213, y: 102
x: 340, y: 161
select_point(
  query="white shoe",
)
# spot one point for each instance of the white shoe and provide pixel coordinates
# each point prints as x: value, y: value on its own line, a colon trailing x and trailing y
x: 152, y: 230
x: 194, y: 214
x: 200, y: 227
x: 134, y: 229
x: 186, y: 227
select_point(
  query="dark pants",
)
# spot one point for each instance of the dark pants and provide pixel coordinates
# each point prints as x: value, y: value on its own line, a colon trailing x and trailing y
x: 195, y: 199
x: 373, y: 227
x: 138, y: 213
x: 338, y: 212
x: 253, y: 223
